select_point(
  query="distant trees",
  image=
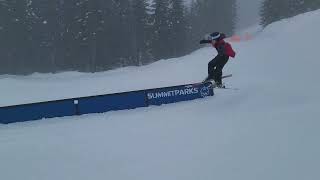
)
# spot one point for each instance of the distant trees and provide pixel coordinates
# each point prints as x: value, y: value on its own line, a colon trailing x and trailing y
x: 140, y: 33
x: 215, y: 15
x: 207, y: 16
x: 97, y: 35
x: 169, y: 28
x: 274, y: 10
x: 15, y: 35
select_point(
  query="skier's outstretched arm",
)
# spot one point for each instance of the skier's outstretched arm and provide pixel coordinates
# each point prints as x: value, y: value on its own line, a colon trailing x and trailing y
x: 205, y: 41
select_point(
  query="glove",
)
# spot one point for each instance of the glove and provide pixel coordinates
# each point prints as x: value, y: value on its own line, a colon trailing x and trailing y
x: 205, y: 41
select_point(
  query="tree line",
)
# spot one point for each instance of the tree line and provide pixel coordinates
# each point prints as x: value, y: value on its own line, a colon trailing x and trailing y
x: 98, y: 35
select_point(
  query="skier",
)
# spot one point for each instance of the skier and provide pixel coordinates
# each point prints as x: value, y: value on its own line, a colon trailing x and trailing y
x: 216, y: 65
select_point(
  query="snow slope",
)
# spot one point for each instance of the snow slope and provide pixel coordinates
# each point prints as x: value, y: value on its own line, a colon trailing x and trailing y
x: 269, y: 129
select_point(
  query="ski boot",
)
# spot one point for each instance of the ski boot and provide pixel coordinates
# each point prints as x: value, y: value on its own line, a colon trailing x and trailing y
x: 219, y: 85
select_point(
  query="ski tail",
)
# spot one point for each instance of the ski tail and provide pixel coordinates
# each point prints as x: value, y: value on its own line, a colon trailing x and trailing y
x: 226, y: 76
x: 223, y: 77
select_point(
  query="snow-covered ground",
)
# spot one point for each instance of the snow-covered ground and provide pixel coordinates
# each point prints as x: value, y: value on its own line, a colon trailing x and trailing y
x: 268, y: 130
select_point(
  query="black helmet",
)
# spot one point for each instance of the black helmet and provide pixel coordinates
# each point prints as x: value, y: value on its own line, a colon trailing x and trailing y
x: 217, y: 36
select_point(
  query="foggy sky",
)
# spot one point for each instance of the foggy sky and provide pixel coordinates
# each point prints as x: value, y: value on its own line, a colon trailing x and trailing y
x: 248, y: 12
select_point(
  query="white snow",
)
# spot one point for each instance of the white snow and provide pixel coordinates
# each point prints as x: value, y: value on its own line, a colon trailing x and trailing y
x: 268, y: 130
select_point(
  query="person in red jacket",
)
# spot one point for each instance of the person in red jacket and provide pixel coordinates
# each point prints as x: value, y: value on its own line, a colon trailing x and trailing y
x: 224, y: 50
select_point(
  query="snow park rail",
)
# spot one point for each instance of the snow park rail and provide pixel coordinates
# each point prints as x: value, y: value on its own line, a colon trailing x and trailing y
x: 104, y: 103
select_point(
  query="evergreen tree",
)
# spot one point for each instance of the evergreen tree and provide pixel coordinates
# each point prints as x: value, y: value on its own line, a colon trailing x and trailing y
x: 207, y: 16
x: 121, y: 30
x: 84, y: 26
x: 194, y: 25
x: 160, y: 38
x: 15, y: 31
x: 140, y: 32
x: 177, y: 28
x: 216, y: 15
x: 5, y: 41
x: 45, y: 34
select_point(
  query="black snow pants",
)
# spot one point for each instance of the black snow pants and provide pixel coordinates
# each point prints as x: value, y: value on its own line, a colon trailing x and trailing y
x: 215, y: 67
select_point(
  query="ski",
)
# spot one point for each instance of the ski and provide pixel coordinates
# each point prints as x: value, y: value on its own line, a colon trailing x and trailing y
x: 227, y: 76
x: 223, y: 77
x: 223, y: 87
x: 212, y: 81
x: 227, y: 88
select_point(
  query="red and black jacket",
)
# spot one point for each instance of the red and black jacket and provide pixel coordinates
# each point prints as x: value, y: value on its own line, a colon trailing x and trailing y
x: 223, y: 48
